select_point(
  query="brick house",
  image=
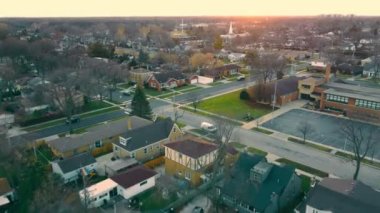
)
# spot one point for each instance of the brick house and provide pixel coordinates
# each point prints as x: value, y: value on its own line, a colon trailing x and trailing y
x: 222, y: 71
x: 163, y: 80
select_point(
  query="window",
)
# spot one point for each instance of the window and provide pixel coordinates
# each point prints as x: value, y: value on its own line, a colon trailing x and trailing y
x: 188, y: 175
x: 337, y: 98
x: 143, y: 183
x: 115, y: 148
x: 133, y: 155
x: 306, y: 86
x: 101, y: 196
x: 145, y: 150
x: 180, y: 156
x: 367, y: 104
x: 98, y: 143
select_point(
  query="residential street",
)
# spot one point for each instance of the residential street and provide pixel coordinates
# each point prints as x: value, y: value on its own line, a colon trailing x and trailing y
x: 302, y: 154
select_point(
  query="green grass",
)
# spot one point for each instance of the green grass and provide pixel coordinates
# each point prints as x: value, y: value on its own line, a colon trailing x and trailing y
x: 351, y: 157
x: 257, y: 129
x: 152, y: 200
x: 303, y: 167
x: 168, y: 95
x: 153, y: 92
x: 315, y: 146
x: 185, y: 87
x: 216, y: 83
x: 256, y: 151
x: 190, y: 109
x: 94, y: 105
x: 124, y: 85
x: 114, y: 108
x: 305, y: 183
x: 180, y: 124
x: 237, y: 145
x: 231, y: 106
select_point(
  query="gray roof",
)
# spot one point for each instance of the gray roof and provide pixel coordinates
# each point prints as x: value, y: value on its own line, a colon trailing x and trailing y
x: 76, y: 162
x: 99, y: 132
x: 353, y: 91
x: 163, y: 77
x: 237, y: 185
x: 348, y: 196
x: 146, y: 135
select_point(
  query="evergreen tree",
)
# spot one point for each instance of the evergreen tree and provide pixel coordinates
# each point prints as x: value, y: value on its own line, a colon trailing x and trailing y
x: 140, y: 105
x: 143, y: 57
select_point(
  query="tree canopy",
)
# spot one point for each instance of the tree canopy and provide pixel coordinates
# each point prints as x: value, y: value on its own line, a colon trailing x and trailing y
x: 140, y: 105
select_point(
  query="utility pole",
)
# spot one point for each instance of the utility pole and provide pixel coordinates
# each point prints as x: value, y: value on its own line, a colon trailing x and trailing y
x: 274, y: 99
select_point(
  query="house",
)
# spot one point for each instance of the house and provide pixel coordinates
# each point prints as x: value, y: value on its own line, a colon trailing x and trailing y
x: 286, y: 91
x: 341, y: 196
x: 235, y: 57
x: 146, y: 143
x: 370, y: 70
x: 349, y: 69
x: 7, y: 194
x: 119, y: 165
x: 134, y: 181
x: 70, y: 169
x: 189, y: 158
x: 317, y: 66
x: 222, y: 71
x: 164, y: 80
x: 126, y: 185
x: 140, y: 75
x: 95, y: 138
x: 197, y: 79
x: 98, y: 194
x: 254, y: 185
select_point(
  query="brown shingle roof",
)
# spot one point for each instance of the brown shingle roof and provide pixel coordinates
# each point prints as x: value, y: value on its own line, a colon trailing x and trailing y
x: 4, y: 186
x: 192, y: 147
x: 133, y: 176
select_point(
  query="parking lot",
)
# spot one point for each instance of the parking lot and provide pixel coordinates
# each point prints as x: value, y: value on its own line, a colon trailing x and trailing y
x: 326, y: 129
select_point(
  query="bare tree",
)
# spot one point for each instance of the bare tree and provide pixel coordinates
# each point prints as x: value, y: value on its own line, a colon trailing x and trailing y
x: 305, y: 129
x: 64, y: 92
x: 195, y: 101
x: 361, y: 141
x: 222, y: 138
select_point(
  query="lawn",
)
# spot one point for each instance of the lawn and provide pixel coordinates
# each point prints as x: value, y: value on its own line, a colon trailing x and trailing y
x: 231, y: 106
x: 153, y: 92
x: 303, y: 167
x: 237, y: 145
x: 262, y: 130
x: 152, y: 200
x: 256, y: 151
x: 315, y: 146
x: 94, y: 105
x: 351, y: 157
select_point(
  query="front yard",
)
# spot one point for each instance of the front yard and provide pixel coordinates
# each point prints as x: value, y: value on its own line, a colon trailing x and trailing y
x: 231, y: 106
x: 153, y: 200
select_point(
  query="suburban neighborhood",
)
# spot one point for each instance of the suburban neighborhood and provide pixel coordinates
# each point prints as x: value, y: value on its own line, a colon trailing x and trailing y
x: 174, y: 113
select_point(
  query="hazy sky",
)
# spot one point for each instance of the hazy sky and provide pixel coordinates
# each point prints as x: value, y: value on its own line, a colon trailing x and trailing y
x: 74, y: 8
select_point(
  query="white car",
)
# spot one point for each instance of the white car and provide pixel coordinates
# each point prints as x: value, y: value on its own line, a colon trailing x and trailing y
x: 240, y: 78
x: 208, y: 127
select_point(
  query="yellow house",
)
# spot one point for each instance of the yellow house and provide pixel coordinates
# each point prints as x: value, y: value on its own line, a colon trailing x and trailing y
x: 95, y: 137
x: 146, y: 143
x: 189, y: 158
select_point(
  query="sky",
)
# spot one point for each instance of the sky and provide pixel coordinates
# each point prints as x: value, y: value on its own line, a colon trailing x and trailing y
x: 109, y: 8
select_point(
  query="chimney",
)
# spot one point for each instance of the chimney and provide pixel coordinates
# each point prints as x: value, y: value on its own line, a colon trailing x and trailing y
x: 327, y: 73
x: 129, y: 123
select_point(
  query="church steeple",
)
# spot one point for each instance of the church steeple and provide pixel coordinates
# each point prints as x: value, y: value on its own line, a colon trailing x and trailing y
x: 231, y: 31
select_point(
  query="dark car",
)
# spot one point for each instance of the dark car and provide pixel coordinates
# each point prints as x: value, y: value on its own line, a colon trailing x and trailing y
x: 73, y: 119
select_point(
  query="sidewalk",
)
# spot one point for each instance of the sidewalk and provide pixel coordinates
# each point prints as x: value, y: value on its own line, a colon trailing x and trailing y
x: 292, y: 105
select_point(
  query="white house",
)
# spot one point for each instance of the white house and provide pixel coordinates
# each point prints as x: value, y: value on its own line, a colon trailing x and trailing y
x: 6, y: 192
x: 135, y: 181
x: 235, y: 57
x: 99, y: 193
x: 70, y: 168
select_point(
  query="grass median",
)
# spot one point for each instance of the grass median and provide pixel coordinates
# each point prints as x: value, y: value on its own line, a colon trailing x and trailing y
x: 302, y: 167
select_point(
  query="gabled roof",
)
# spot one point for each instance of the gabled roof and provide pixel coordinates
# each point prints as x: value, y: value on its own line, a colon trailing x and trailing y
x: 348, y: 196
x: 133, y: 176
x: 100, y: 132
x: 76, y: 162
x: 163, y: 77
x: 192, y: 147
x: 4, y: 186
x: 238, y: 186
x: 217, y: 70
x: 146, y: 135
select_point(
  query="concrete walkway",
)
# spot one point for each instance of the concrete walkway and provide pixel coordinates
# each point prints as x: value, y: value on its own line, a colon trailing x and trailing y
x: 287, y: 107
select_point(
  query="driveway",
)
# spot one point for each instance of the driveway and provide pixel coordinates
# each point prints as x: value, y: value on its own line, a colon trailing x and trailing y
x: 326, y: 129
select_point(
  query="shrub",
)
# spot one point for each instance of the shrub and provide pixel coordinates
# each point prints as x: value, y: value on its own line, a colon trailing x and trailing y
x: 244, y: 95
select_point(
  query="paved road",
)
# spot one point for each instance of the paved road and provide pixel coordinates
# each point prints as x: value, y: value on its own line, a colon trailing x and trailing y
x: 311, y: 157
x: 326, y: 129
x: 85, y: 122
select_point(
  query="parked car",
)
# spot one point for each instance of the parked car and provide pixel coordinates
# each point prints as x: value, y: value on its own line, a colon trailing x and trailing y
x: 198, y: 209
x: 127, y: 92
x: 240, y: 78
x: 208, y: 127
x: 73, y: 119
